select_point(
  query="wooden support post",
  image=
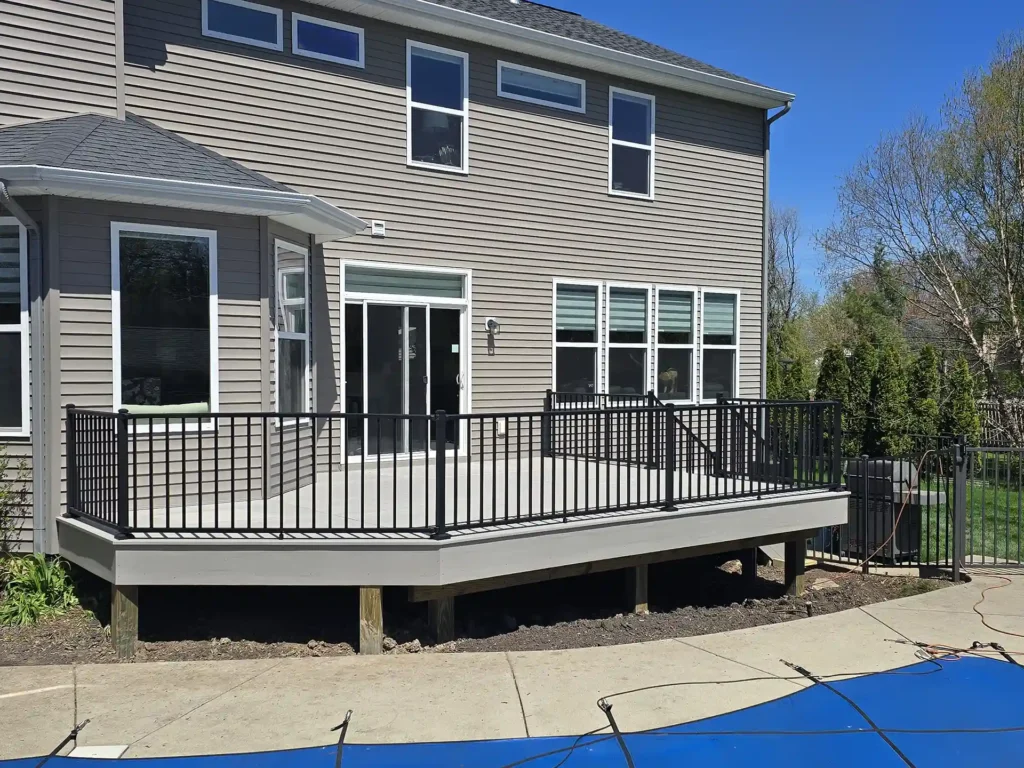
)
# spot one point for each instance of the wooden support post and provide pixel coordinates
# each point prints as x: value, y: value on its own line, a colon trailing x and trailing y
x: 371, y: 621
x: 748, y: 559
x: 636, y: 589
x: 124, y: 619
x: 796, y: 552
x: 441, y: 619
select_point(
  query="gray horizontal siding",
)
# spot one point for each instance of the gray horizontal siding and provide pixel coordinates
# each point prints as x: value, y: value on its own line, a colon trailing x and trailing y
x: 534, y: 206
x: 58, y: 58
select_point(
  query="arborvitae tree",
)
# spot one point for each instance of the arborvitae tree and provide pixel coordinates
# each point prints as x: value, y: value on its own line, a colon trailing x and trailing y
x: 773, y: 383
x: 888, y: 432
x: 833, y: 376
x: 863, y: 365
x: 924, y: 392
x: 794, y: 381
x: 960, y: 416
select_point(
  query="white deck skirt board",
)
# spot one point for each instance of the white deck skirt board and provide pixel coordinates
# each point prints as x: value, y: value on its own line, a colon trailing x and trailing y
x: 477, y: 494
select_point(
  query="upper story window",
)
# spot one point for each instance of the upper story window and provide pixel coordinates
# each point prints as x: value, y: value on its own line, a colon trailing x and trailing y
x: 14, y: 343
x: 243, y: 22
x: 437, y: 87
x: 327, y: 40
x: 631, y: 147
x: 538, y: 87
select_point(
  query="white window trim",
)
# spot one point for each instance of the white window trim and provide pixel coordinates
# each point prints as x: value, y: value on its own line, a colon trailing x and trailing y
x: 645, y: 345
x: 582, y: 109
x: 692, y: 346
x: 613, y: 142
x: 410, y: 104
x: 116, y: 228
x: 280, y: 302
x: 297, y: 17
x: 735, y: 346
x: 278, y: 46
x: 596, y: 344
x: 22, y: 328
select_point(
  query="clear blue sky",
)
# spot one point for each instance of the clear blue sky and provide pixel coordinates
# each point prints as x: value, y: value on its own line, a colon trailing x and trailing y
x: 858, y: 69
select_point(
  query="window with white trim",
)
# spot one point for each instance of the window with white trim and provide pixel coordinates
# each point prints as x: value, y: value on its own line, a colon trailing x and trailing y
x: 164, y: 303
x: 628, y: 342
x: 292, y: 381
x: 674, y: 344
x: 437, y: 88
x: 719, y: 344
x: 14, y: 342
x: 243, y: 22
x: 327, y: 40
x: 576, y: 338
x: 631, y: 144
x: 536, y: 86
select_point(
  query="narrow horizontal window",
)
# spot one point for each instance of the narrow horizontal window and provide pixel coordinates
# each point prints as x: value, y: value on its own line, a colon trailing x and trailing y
x: 631, y: 147
x: 14, y: 329
x: 404, y: 282
x: 437, y: 89
x: 243, y: 22
x: 538, y: 87
x: 327, y: 40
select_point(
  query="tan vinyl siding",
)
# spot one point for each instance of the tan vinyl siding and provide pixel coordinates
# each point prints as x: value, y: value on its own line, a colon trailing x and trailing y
x: 58, y: 58
x: 534, y: 206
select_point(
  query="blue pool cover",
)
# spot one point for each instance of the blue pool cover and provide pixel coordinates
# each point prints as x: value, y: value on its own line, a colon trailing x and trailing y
x: 959, y: 713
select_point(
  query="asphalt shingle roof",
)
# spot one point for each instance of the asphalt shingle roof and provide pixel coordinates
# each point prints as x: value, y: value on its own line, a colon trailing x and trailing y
x: 544, y: 18
x: 133, y: 147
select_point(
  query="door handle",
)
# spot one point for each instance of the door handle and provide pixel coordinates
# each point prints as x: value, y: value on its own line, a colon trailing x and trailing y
x: 458, y: 380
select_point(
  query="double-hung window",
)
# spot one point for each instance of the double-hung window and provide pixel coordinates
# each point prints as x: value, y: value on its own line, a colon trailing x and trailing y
x: 720, y: 343
x: 164, y: 306
x: 327, y: 40
x: 14, y: 350
x: 437, y: 88
x: 292, y: 383
x: 628, y: 325
x: 536, y: 86
x: 576, y: 337
x: 631, y: 144
x: 676, y: 332
x: 243, y: 22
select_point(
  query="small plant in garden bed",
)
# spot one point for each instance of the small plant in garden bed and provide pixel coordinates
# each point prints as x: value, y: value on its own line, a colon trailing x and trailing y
x: 34, y: 588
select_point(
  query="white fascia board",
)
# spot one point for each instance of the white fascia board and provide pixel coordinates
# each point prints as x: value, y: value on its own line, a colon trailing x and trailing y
x: 306, y: 213
x: 420, y: 14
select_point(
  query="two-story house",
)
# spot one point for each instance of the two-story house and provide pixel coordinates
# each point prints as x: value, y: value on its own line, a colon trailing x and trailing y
x: 250, y: 250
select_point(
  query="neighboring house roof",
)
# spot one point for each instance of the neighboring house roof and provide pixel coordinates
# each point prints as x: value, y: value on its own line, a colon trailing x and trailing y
x: 540, y: 30
x: 133, y: 160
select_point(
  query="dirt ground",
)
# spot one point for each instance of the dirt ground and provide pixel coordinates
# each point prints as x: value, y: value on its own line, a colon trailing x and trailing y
x: 688, y: 598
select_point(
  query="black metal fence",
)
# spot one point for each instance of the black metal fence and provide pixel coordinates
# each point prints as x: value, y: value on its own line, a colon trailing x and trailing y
x: 333, y: 472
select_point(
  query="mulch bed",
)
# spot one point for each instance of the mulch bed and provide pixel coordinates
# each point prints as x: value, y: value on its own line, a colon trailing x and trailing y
x: 690, y: 598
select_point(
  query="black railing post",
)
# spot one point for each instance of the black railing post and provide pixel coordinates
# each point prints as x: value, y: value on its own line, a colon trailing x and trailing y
x: 440, y: 443
x: 122, y: 469
x: 864, y: 509
x: 650, y: 431
x: 960, y: 507
x: 837, y: 446
x: 721, y: 437
x: 74, y: 503
x: 545, y: 424
x: 670, y: 457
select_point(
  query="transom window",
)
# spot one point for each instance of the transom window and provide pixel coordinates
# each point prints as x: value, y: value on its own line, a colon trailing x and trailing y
x: 14, y: 329
x: 292, y: 388
x: 327, y: 40
x: 539, y: 87
x: 675, y: 342
x: 576, y: 338
x: 164, y: 302
x: 243, y: 22
x: 720, y: 344
x: 627, y: 340
x: 437, y: 90
x: 631, y: 144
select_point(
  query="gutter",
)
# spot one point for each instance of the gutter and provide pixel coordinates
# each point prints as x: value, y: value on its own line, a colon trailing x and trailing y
x: 764, y: 245
x: 36, y: 378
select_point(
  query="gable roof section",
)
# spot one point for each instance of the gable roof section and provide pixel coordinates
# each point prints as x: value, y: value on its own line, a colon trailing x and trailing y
x: 134, y: 160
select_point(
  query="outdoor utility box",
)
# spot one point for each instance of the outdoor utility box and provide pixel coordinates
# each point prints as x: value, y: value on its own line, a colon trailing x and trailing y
x: 875, y: 503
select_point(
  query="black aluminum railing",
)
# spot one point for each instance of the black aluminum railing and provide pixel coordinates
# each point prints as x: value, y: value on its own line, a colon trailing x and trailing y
x: 318, y: 473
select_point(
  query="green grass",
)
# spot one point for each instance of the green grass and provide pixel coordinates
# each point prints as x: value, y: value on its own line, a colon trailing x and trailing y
x: 995, y: 522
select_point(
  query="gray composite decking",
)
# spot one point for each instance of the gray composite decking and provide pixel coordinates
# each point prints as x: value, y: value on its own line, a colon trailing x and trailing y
x: 480, y: 493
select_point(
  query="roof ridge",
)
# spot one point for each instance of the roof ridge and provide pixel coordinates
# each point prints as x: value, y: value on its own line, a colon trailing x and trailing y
x: 97, y: 122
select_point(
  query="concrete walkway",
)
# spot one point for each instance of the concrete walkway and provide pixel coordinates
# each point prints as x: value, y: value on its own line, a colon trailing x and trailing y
x: 237, y: 706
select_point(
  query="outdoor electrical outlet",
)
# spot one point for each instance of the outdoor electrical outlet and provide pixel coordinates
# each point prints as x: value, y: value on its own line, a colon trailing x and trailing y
x: 502, y: 427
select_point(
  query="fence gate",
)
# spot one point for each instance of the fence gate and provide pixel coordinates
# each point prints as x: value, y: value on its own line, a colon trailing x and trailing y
x: 992, y: 504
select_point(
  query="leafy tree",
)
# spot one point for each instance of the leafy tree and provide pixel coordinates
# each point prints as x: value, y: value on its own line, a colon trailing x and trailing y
x: 960, y: 416
x: 773, y: 383
x: 888, y: 429
x: 924, y: 392
x: 863, y: 365
x: 794, y: 381
x: 833, y: 376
